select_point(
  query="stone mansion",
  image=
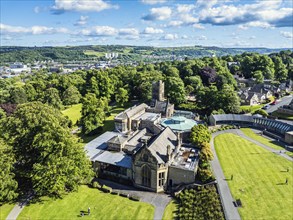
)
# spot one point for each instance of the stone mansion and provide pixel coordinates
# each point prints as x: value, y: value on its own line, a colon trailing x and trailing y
x: 143, y: 150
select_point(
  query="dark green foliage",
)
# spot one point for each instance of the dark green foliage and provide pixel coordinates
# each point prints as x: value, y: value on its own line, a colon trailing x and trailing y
x: 261, y: 112
x: 52, y: 98
x: 199, y: 135
x: 50, y: 160
x: 92, y: 113
x: 202, y: 202
x: 175, y: 90
x: 121, y: 96
x: 71, y: 96
x: 18, y: 95
x: 8, y: 185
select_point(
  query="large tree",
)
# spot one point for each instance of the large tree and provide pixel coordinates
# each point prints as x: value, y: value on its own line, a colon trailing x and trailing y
x: 8, y: 185
x: 71, y: 96
x: 175, y: 90
x: 200, y: 134
x: 92, y: 113
x: 121, y: 96
x: 52, y: 98
x: 50, y: 160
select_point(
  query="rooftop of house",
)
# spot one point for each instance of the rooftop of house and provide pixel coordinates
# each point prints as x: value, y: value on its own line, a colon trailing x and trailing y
x: 186, y: 158
x: 130, y: 112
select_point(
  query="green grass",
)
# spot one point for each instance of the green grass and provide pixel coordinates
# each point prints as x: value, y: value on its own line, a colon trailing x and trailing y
x: 170, y: 211
x: 94, y: 53
x: 282, y: 115
x: 270, y: 143
x: 251, y: 109
x: 258, y: 178
x: 73, y: 112
x: 5, y: 210
x: 102, y: 205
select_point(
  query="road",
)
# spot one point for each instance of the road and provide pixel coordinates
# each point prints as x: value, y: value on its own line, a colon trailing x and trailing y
x: 284, y: 101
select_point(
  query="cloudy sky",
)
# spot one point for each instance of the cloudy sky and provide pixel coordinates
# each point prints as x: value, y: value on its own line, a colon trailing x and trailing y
x: 223, y: 23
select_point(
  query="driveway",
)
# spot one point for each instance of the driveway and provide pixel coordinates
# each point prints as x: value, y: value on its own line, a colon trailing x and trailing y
x: 158, y: 200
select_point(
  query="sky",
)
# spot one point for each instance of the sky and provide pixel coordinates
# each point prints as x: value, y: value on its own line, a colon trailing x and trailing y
x: 161, y: 23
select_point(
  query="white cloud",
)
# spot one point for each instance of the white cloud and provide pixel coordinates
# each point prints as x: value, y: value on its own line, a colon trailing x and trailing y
x: 61, y: 6
x: 153, y: 2
x: 128, y: 31
x: 184, y: 37
x: 82, y: 21
x: 185, y: 8
x: 151, y: 30
x: 161, y: 13
x: 198, y: 26
x: 287, y: 34
x: 99, y: 31
x: 259, y: 14
x: 35, y: 30
x: 170, y: 37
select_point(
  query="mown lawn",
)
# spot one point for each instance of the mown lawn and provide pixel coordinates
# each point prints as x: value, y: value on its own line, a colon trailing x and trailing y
x: 258, y: 178
x: 73, y: 112
x: 5, y: 210
x: 170, y: 211
x: 270, y: 143
x: 251, y: 109
x: 102, y: 205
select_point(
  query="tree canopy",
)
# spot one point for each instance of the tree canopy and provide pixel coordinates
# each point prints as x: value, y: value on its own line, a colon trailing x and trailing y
x: 50, y: 160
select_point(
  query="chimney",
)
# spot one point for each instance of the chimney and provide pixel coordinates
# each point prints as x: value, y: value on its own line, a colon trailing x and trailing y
x: 179, y: 139
x: 169, y: 152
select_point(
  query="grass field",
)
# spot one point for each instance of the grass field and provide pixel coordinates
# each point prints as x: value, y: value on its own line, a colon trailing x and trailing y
x: 251, y: 109
x: 94, y: 53
x: 73, y: 112
x: 273, y: 144
x: 170, y: 211
x: 5, y: 210
x: 102, y: 205
x: 258, y: 178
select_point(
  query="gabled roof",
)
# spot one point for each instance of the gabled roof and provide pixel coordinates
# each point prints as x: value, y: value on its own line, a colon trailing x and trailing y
x: 119, y: 139
x: 158, y: 147
x: 131, y: 111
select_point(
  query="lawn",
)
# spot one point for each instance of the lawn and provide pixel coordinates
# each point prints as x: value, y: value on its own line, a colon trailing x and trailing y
x: 270, y: 143
x: 170, y: 211
x: 258, y: 178
x: 5, y: 210
x: 102, y: 205
x: 73, y: 112
x: 251, y: 109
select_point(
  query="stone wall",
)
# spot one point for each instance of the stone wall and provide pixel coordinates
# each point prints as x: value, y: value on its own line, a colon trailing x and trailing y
x: 179, y: 176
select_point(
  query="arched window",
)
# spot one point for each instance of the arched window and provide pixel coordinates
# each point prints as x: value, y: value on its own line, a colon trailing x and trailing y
x: 146, y: 176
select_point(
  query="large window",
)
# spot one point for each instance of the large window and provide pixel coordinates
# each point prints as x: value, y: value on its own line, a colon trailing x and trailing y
x: 146, y: 176
x: 161, y: 179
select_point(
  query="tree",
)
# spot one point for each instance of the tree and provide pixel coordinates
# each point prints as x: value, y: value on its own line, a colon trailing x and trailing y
x: 121, y: 96
x: 175, y: 90
x: 71, y: 96
x: 208, y: 75
x: 18, y: 95
x: 52, y: 98
x: 228, y: 100
x: 206, y: 153
x: 50, y: 160
x: 8, y: 185
x: 259, y: 78
x: 92, y: 113
x: 199, y: 135
x: 281, y: 73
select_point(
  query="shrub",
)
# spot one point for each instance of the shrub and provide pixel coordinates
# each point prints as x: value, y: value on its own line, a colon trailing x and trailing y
x: 106, y: 189
x: 134, y: 198
x: 95, y: 184
x: 123, y: 195
x: 115, y: 193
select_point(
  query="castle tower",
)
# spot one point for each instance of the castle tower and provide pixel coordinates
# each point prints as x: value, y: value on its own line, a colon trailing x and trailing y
x: 158, y: 91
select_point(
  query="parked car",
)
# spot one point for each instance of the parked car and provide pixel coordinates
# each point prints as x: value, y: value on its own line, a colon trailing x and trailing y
x: 274, y: 102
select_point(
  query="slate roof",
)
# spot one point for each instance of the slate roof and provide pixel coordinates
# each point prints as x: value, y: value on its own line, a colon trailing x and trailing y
x: 158, y: 146
x: 131, y: 111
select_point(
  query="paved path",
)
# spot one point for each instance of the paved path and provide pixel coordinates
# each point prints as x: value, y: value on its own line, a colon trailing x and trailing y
x: 18, y: 208
x: 158, y: 200
x: 230, y: 210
